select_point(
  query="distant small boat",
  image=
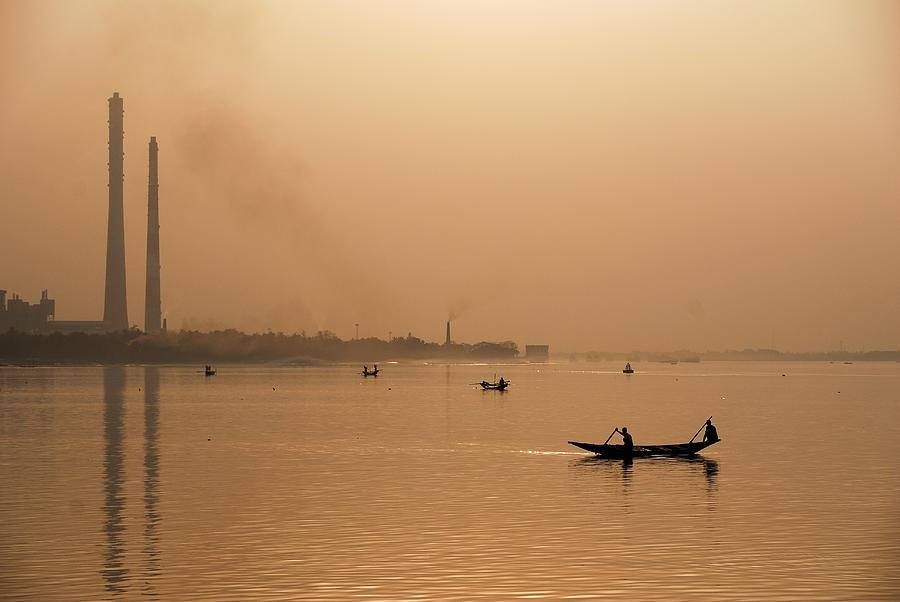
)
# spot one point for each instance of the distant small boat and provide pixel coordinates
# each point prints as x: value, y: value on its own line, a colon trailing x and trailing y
x: 367, y: 372
x: 497, y: 386
x: 628, y: 369
x: 209, y: 371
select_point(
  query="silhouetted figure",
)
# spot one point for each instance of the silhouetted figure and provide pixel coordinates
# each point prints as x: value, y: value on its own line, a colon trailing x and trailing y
x: 710, y: 434
x: 365, y: 369
x: 375, y: 371
x: 626, y: 439
x: 485, y: 384
x: 502, y: 382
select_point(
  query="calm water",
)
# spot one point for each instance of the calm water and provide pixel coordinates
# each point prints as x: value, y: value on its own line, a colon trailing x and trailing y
x: 285, y: 483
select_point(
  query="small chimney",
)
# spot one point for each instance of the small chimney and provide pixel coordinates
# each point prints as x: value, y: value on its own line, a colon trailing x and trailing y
x: 448, y: 333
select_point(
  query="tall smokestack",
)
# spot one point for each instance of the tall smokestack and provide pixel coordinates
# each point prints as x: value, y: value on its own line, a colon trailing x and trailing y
x: 447, y: 342
x: 152, y: 301
x: 115, y: 305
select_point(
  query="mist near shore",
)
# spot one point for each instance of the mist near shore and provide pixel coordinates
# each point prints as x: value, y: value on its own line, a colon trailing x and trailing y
x: 615, y: 175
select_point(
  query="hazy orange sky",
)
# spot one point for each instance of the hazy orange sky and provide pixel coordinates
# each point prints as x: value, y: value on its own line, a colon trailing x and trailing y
x: 616, y: 174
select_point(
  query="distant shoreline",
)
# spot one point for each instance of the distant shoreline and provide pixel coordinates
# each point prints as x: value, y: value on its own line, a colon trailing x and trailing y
x: 402, y: 361
x: 732, y: 355
x: 324, y: 348
x: 231, y: 346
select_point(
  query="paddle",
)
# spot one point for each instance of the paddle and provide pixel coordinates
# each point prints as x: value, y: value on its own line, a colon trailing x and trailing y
x: 610, y: 436
x: 700, y: 429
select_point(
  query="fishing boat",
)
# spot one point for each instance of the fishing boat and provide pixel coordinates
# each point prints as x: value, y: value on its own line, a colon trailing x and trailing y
x: 209, y: 371
x: 628, y: 369
x: 607, y: 450
x: 367, y: 372
x: 497, y: 386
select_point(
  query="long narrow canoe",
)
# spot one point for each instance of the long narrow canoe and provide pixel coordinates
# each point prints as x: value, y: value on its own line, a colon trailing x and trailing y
x: 640, y: 451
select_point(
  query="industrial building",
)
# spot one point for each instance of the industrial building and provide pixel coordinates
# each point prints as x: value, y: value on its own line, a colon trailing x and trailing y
x: 537, y: 353
x: 39, y: 318
x: 22, y: 315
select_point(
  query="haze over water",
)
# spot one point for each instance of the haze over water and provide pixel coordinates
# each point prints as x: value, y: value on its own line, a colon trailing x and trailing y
x: 609, y: 175
x: 668, y: 176
x: 286, y: 483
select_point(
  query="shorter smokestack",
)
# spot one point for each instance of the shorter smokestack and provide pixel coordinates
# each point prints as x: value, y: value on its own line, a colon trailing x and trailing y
x: 152, y: 301
x: 448, y: 333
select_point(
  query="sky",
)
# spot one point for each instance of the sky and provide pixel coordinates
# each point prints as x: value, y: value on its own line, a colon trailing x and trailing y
x: 603, y: 175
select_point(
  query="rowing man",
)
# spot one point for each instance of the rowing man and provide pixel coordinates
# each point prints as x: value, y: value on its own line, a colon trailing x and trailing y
x: 626, y: 439
x: 710, y: 434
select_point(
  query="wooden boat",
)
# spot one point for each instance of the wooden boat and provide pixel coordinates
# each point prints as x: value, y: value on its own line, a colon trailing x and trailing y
x: 628, y: 369
x: 371, y: 372
x: 494, y: 386
x: 209, y: 371
x: 640, y: 451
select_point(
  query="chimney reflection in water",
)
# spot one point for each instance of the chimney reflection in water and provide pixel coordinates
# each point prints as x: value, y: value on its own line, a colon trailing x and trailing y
x: 151, y: 478
x: 114, y: 572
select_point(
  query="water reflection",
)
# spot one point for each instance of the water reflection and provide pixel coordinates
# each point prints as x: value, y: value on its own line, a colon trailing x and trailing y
x: 711, y: 468
x: 151, y: 478
x: 114, y: 572
x: 624, y: 469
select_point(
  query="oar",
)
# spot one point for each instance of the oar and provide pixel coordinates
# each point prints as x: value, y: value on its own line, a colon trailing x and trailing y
x: 610, y: 436
x: 700, y: 429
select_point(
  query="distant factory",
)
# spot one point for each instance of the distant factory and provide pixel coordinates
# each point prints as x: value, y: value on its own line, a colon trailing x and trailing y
x: 537, y: 353
x: 21, y: 315
x: 40, y: 317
